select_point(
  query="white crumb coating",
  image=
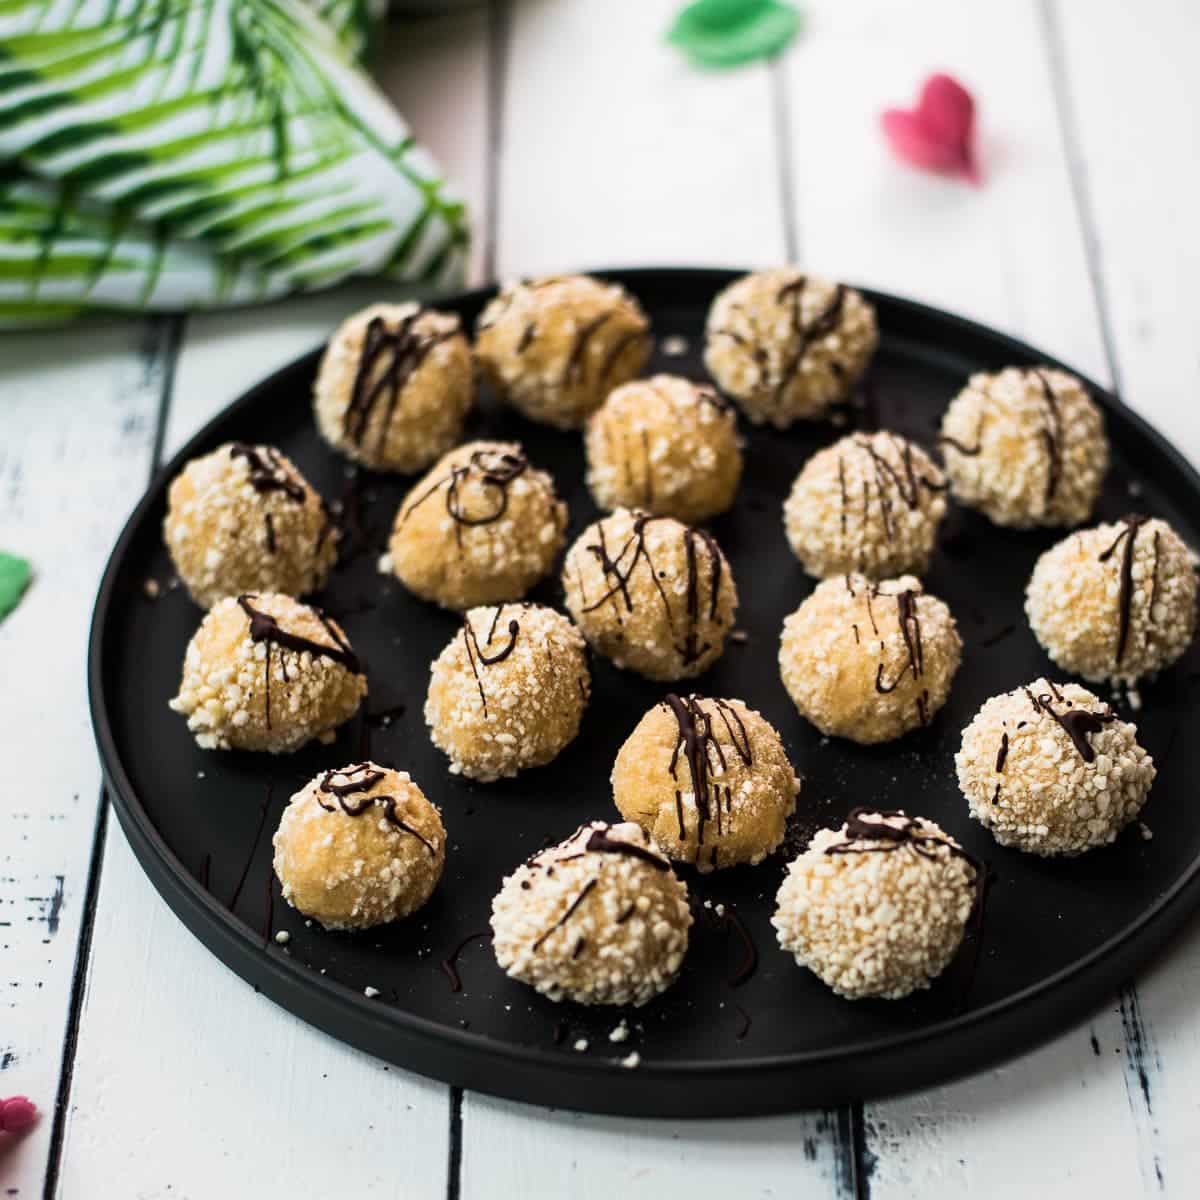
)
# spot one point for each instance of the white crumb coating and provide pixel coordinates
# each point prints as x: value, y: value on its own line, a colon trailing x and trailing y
x: 788, y: 346
x: 371, y: 855
x: 244, y: 519
x: 239, y: 693
x: 666, y: 445
x: 1116, y: 602
x: 883, y: 919
x: 1026, y: 447
x: 1026, y: 780
x: 415, y: 385
x: 553, y: 348
x: 509, y: 690
x: 591, y: 925
x: 871, y: 502
x: 869, y: 661
x: 736, y: 812
x: 483, y: 526
x: 650, y: 593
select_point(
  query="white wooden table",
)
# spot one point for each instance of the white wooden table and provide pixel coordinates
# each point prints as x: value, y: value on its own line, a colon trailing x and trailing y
x: 581, y: 141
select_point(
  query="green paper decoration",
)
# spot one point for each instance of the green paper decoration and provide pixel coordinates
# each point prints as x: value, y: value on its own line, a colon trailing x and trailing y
x: 15, y: 574
x: 727, y: 33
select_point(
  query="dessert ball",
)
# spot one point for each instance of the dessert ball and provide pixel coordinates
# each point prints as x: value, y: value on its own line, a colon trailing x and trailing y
x: 554, y: 348
x: 598, y: 919
x: 879, y: 907
x: 265, y: 672
x: 1026, y: 447
x: 869, y: 661
x: 359, y: 846
x: 1050, y: 769
x: 652, y: 594
x: 483, y: 526
x: 788, y: 346
x: 665, y: 445
x: 708, y: 780
x: 1117, y: 602
x: 244, y: 519
x: 394, y: 386
x: 871, y: 502
x: 509, y: 690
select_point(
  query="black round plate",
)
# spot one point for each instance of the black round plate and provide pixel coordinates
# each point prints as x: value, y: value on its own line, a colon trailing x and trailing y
x: 1060, y: 936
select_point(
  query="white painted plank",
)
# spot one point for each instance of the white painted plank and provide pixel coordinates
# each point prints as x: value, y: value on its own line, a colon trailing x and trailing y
x: 616, y: 152
x: 77, y: 414
x: 336, y: 1122
x: 1143, y: 191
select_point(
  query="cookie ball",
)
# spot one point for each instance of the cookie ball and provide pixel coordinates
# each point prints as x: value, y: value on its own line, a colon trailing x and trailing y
x: 869, y: 661
x: 509, y: 690
x: 394, y: 386
x: 598, y: 919
x: 554, y: 348
x: 359, y: 846
x: 1117, y: 602
x: 708, y: 780
x: 665, y: 445
x: 1050, y: 769
x: 244, y: 519
x: 879, y: 907
x: 1026, y: 447
x: 652, y: 594
x: 482, y: 527
x: 871, y: 502
x: 788, y: 346
x: 265, y: 672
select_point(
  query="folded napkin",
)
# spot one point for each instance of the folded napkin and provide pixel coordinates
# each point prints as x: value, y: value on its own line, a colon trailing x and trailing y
x: 167, y: 154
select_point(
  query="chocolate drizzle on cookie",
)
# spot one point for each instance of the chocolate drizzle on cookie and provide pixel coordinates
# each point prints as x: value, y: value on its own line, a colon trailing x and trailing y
x: 350, y: 798
x: 825, y: 323
x: 1051, y: 434
x: 388, y: 359
x: 599, y: 841
x: 909, y: 618
x: 269, y: 473
x: 1127, y: 538
x: 494, y: 470
x: 478, y: 657
x: 1077, y: 723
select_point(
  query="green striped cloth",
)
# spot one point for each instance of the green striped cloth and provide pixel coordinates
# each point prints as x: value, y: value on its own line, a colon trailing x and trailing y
x: 170, y: 154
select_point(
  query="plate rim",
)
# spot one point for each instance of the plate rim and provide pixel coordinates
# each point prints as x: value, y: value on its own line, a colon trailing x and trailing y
x: 1038, y: 1012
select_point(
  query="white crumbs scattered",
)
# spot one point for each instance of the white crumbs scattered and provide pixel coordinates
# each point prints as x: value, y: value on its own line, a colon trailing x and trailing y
x: 581, y: 1045
x: 631, y: 1060
x: 283, y: 937
x: 620, y: 1032
x: 674, y: 347
x: 370, y: 992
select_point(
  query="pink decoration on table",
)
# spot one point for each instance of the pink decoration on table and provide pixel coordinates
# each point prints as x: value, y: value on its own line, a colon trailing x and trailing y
x: 17, y: 1114
x: 937, y: 135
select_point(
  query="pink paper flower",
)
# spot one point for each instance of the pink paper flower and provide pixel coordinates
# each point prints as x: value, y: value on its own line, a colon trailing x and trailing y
x: 938, y: 134
x: 17, y: 1114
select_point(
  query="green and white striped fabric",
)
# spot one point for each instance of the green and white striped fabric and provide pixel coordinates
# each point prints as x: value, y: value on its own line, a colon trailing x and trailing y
x: 168, y: 154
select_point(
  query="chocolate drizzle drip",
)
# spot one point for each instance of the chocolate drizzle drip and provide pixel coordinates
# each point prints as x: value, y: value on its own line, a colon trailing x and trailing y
x: 476, y: 655
x: 969, y: 451
x: 1127, y: 537
x: 1077, y: 723
x: 264, y: 628
x: 698, y: 744
x: 600, y: 841
x: 449, y: 964
x: 584, y: 892
x: 496, y: 470
x: 397, y: 352
x: 1002, y: 753
x: 909, y: 619
x: 1052, y: 434
x: 268, y: 472
x: 824, y: 324
x: 368, y: 777
x: 749, y: 963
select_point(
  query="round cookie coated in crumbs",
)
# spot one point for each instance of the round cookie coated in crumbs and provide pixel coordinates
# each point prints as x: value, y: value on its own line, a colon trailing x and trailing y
x: 598, y: 919
x: 708, y: 780
x: 1117, y: 602
x: 483, y: 526
x: 394, y: 386
x: 869, y: 661
x: 265, y: 672
x: 509, y: 690
x: 554, y: 348
x: 1026, y: 447
x: 788, y: 346
x: 1050, y: 769
x: 359, y: 846
x: 665, y: 445
x: 871, y: 502
x: 652, y: 594
x: 879, y: 907
x: 244, y: 519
